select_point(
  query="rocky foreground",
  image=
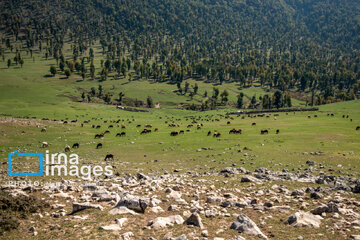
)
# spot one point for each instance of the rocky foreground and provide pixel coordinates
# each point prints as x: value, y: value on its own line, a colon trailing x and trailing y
x: 231, y: 204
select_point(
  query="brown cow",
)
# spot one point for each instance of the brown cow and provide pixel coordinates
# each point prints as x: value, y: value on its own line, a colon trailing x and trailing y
x: 145, y: 131
x: 217, y: 134
x: 174, y: 133
x: 122, y: 134
x: 100, y: 135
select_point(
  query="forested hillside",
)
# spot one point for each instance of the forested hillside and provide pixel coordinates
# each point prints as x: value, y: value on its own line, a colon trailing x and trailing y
x: 311, y: 46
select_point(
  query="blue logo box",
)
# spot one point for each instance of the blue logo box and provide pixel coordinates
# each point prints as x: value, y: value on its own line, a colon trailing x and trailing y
x: 16, y: 153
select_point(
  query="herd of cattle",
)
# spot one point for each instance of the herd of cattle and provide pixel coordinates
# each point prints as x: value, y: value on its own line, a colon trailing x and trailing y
x: 148, y: 128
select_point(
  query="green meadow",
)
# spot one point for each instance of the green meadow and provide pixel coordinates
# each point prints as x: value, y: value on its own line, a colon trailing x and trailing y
x: 29, y: 93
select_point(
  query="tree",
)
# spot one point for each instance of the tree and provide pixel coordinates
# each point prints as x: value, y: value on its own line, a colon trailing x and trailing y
x: 67, y: 73
x: 149, y: 102
x: 53, y: 70
x: 224, y: 96
x: 240, y: 100
x: 186, y: 88
x: 93, y: 91
x: 107, y: 98
x: 215, y: 93
x: 178, y: 84
x: 9, y: 63
x: 121, y: 95
x: 100, y: 88
x: 253, y: 101
x: 196, y: 88
x: 266, y: 102
x: 62, y: 65
x: 277, y: 99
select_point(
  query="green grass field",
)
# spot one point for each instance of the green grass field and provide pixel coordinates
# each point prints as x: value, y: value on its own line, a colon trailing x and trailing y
x: 28, y: 92
x: 27, y: 96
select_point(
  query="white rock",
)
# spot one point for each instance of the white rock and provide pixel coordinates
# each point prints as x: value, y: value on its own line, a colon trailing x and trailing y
x: 161, y: 222
x: 244, y: 224
x: 304, y: 219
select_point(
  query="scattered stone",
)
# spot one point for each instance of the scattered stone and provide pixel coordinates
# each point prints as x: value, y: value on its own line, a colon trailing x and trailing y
x: 161, y: 222
x: 303, y: 219
x: 81, y: 206
x: 132, y: 202
x: 194, y: 220
x: 243, y: 224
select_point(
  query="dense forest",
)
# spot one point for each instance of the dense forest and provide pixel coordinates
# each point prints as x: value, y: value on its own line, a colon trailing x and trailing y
x: 310, y: 46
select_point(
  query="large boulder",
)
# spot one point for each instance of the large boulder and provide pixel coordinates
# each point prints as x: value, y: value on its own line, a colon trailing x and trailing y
x: 121, y: 210
x: 161, y: 222
x: 356, y: 189
x: 325, y: 208
x: 243, y: 224
x: 304, y: 219
x: 136, y: 203
x: 194, y: 220
x: 81, y: 206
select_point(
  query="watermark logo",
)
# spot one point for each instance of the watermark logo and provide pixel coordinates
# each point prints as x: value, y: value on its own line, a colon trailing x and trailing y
x: 16, y: 153
x: 60, y: 164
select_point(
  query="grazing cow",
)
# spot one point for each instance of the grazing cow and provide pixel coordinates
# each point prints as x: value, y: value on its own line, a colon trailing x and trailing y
x: 156, y: 129
x: 43, y: 130
x: 123, y: 126
x: 228, y: 123
x: 148, y: 126
x: 309, y: 116
x: 235, y: 131
x: 67, y: 148
x: 174, y: 133
x: 357, y: 128
x: 277, y: 131
x: 111, y: 126
x: 217, y: 134
x: 209, y: 133
x: 76, y: 145
x: 190, y: 125
x: 122, y: 134
x: 253, y: 124
x: 264, y: 131
x: 99, y: 145
x: 65, y: 122
x: 145, y: 131
x: 138, y: 125
x: 93, y: 126
x: 98, y: 126
x: 100, y: 135
x: 181, y: 132
x: 107, y: 131
x: 44, y: 144
x: 108, y: 157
